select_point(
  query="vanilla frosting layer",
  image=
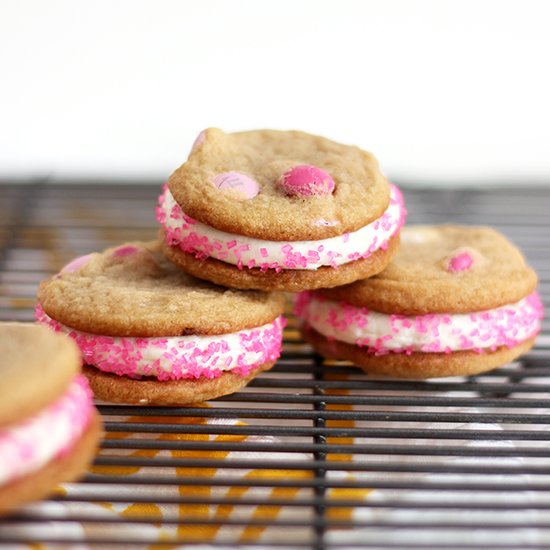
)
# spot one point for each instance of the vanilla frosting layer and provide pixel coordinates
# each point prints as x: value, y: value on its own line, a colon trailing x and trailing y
x: 380, y: 333
x: 29, y: 445
x: 204, y: 241
x: 177, y: 357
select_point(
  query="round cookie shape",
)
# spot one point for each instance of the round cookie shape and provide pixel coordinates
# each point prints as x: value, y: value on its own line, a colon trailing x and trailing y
x: 133, y: 290
x: 49, y: 428
x: 360, y: 195
x: 444, y: 269
x: 36, y: 366
x: 416, y: 366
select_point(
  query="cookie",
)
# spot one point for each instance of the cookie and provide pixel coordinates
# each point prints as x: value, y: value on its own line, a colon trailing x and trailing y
x: 454, y: 301
x: 154, y: 334
x: 49, y: 429
x: 275, y: 210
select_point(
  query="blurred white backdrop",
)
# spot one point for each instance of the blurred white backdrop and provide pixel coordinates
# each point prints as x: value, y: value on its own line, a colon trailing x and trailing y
x: 441, y: 91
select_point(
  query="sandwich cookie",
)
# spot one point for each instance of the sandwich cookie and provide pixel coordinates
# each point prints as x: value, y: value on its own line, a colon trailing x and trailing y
x: 49, y: 429
x: 277, y: 210
x: 151, y: 334
x: 455, y: 301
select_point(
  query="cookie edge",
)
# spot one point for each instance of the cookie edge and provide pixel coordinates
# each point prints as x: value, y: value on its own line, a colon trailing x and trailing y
x: 288, y: 280
x: 113, y: 388
x: 41, y: 483
x: 416, y: 365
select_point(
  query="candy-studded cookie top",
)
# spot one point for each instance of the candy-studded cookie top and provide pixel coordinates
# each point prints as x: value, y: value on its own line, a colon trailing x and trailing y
x: 133, y: 290
x: 279, y: 185
x: 445, y: 269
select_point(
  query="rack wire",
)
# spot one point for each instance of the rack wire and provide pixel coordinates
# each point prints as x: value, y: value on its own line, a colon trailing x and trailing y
x: 313, y: 454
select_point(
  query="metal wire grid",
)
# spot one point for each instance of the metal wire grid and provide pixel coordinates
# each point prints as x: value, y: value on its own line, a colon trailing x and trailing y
x: 452, y: 463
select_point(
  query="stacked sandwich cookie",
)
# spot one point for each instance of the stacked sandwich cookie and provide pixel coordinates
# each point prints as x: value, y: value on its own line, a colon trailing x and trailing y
x: 49, y: 429
x: 266, y: 211
x: 254, y: 211
x: 454, y: 301
x: 277, y: 210
x: 151, y: 334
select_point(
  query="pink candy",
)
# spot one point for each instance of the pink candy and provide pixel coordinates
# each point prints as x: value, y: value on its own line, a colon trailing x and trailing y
x: 76, y: 264
x: 195, y: 238
x: 200, y: 139
x: 122, y: 251
x: 305, y: 180
x: 236, y: 181
x: 460, y: 262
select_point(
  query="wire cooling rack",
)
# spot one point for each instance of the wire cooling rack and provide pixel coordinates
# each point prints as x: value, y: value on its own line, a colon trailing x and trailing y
x: 311, y: 454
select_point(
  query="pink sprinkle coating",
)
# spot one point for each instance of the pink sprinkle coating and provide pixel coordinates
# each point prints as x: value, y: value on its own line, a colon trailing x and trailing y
x: 306, y: 180
x: 204, y: 241
x: 380, y: 333
x: 178, y: 357
x: 27, y: 446
x: 460, y: 262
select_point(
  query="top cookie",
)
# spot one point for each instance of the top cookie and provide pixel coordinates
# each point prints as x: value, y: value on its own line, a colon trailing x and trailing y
x: 444, y: 269
x: 242, y: 183
x: 133, y: 290
x: 36, y: 367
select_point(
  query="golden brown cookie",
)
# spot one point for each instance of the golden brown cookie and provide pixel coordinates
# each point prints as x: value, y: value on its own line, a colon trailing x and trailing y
x: 422, y: 280
x: 148, y: 391
x: 416, y: 365
x: 30, y: 352
x: 149, y: 329
x: 132, y: 290
x: 286, y: 280
x: 49, y: 429
x: 266, y: 203
x: 62, y: 469
x: 455, y: 300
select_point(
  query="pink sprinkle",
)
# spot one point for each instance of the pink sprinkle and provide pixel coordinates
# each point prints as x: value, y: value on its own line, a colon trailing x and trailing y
x: 431, y: 333
x: 30, y: 445
x: 187, y: 234
x: 181, y: 357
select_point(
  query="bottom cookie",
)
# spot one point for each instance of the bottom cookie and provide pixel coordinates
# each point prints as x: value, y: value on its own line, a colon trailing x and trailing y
x: 61, y: 469
x: 290, y: 280
x: 150, y: 391
x: 416, y: 365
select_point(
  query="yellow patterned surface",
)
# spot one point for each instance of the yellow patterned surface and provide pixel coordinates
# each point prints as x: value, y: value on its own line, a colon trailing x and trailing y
x: 215, y: 516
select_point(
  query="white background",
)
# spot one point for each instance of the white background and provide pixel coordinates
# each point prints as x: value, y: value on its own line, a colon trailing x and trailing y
x: 441, y: 91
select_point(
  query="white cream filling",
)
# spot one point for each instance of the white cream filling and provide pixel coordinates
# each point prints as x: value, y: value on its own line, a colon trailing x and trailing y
x: 28, y: 446
x: 308, y: 255
x: 175, y: 357
x: 508, y: 324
